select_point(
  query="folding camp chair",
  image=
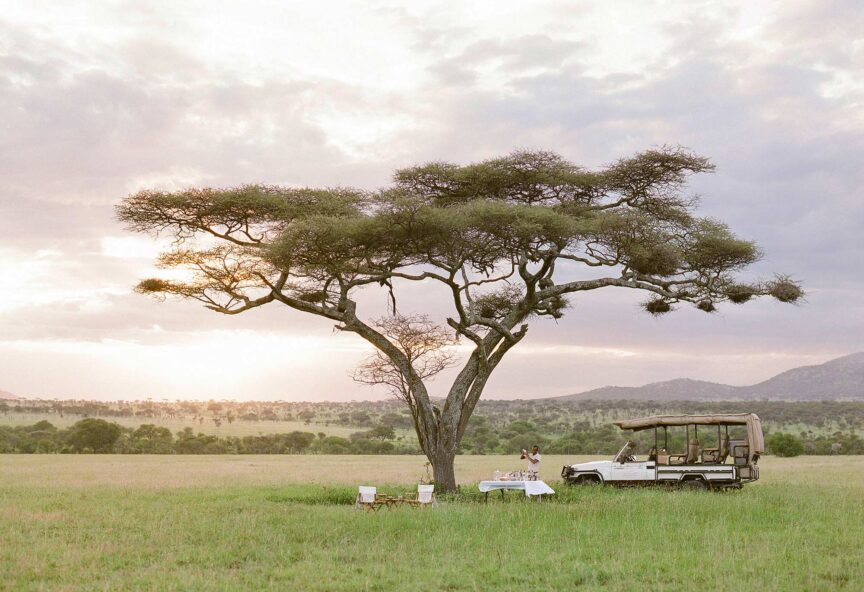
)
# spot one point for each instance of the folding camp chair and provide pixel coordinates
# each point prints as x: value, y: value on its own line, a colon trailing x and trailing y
x: 368, y: 498
x: 425, y: 496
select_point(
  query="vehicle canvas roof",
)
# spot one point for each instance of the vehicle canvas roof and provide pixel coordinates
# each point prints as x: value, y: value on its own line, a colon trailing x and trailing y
x: 644, y: 423
x: 751, y: 420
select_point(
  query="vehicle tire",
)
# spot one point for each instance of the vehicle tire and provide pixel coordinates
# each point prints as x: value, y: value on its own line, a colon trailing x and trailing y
x: 694, y: 485
x: 587, y: 480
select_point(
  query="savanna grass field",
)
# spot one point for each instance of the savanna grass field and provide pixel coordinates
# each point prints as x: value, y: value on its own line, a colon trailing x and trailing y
x: 111, y: 522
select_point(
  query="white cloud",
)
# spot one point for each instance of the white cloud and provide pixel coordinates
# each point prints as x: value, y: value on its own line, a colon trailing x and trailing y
x: 130, y: 247
x: 36, y: 278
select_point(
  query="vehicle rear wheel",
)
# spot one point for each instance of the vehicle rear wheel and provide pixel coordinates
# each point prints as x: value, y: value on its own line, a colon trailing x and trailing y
x: 694, y: 485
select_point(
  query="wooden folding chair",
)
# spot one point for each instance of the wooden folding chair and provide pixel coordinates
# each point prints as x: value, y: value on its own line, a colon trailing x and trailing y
x: 368, y: 498
x: 425, y: 497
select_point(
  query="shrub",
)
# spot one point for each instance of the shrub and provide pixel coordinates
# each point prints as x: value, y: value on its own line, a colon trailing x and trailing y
x: 92, y: 434
x: 785, y: 445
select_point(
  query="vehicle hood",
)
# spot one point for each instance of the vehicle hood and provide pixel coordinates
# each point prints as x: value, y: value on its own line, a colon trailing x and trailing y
x: 588, y: 466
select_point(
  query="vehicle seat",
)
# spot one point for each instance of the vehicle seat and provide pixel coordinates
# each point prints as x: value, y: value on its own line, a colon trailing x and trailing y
x: 717, y: 455
x: 662, y: 457
x: 692, y: 452
x: 740, y: 451
x: 677, y: 459
x: 724, y: 448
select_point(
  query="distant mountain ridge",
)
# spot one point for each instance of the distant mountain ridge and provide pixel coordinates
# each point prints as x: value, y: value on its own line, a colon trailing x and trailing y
x: 7, y: 396
x: 841, y: 378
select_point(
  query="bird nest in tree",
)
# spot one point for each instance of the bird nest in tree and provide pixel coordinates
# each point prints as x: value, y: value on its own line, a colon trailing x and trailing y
x: 706, y: 306
x: 496, y: 304
x: 657, y: 306
x: 740, y: 293
x: 152, y: 285
x: 786, y: 290
x: 315, y: 296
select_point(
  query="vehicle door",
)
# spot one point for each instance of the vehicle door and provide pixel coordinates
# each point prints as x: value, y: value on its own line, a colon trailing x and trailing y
x: 633, y: 471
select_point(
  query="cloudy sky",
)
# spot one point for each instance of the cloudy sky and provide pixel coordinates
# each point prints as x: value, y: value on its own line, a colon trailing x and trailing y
x: 100, y: 99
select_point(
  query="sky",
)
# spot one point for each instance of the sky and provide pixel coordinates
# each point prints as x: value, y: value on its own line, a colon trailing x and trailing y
x: 102, y: 99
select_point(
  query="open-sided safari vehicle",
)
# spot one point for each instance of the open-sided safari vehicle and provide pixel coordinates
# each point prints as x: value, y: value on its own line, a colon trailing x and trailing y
x: 690, y: 451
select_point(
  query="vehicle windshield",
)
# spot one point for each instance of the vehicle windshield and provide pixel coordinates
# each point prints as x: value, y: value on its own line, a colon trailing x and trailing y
x: 624, y: 455
x: 637, y: 449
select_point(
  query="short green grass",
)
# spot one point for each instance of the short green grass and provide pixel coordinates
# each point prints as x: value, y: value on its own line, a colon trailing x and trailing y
x: 282, y: 523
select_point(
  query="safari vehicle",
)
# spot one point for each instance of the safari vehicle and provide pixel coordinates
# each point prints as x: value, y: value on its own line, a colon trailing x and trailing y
x: 719, y: 452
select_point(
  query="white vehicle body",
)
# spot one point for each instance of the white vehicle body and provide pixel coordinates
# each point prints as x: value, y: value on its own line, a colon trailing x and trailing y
x: 648, y: 473
x: 699, y: 468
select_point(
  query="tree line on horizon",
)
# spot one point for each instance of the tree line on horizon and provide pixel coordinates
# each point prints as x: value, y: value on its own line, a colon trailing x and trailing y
x: 552, y: 416
x: 99, y: 436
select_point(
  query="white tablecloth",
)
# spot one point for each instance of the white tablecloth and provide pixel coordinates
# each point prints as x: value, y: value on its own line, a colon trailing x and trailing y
x: 530, y: 487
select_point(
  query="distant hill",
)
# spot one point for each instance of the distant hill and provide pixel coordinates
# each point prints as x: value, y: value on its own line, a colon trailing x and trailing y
x: 7, y: 396
x: 841, y: 378
x: 678, y: 389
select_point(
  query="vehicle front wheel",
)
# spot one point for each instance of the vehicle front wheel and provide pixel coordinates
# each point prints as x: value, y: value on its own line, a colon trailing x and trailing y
x: 694, y: 485
x: 586, y: 480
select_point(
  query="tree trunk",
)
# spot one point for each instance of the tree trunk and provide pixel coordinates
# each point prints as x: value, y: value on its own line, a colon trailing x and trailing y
x: 443, y: 471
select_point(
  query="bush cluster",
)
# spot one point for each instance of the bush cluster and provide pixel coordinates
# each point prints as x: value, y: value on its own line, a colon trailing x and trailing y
x: 94, y: 435
x: 498, y: 427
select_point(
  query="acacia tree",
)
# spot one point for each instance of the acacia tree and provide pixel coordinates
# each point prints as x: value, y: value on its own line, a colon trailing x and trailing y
x: 508, y: 240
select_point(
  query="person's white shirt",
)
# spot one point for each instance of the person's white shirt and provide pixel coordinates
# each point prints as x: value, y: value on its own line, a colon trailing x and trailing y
x: 533, y: 467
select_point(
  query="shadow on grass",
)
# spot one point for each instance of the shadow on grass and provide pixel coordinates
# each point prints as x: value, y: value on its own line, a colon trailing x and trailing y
x: 468, y: 494
x: 314, y: 496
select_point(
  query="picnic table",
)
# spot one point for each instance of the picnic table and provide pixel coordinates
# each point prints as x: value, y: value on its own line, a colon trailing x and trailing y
x: 531, y: 488
x: 391, y: 501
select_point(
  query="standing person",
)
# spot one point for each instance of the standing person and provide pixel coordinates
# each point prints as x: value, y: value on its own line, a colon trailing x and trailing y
x: 533, y: 459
